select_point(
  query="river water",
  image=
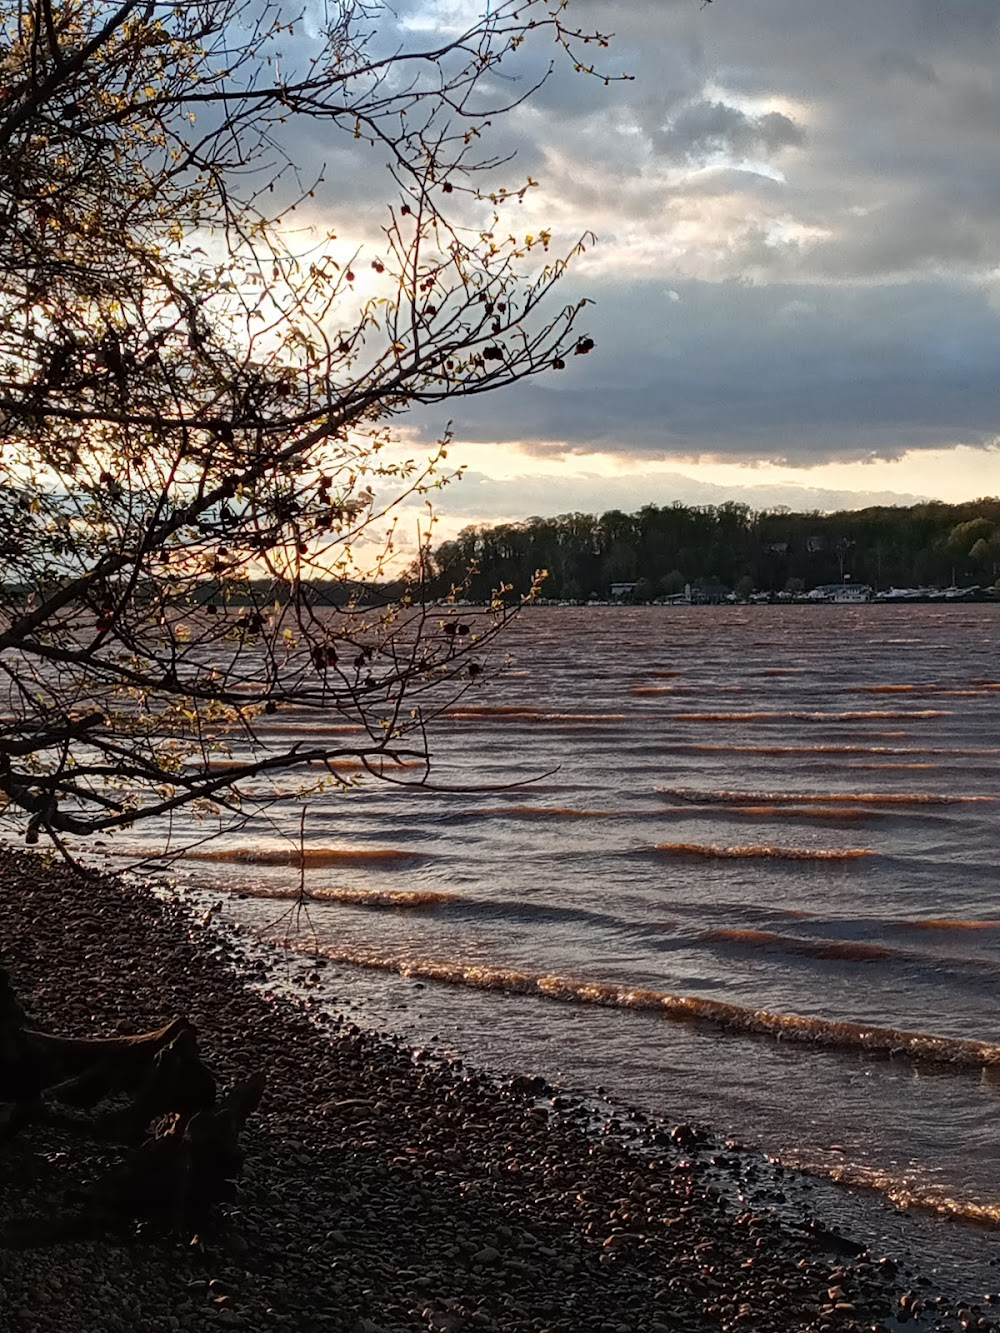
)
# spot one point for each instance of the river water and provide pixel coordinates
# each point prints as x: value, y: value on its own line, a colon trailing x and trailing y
x: 724, y: 862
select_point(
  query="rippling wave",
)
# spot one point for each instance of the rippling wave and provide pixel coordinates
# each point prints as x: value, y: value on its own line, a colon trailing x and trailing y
x: 311, y: 856
x: 377, y: 898
x: 836, y: 814
x: 789, y: 715
x: 468, y: 713
x: 886, y: 689
x: 821, y: 1032
x: 977, y: 690
x: 708, y: 747
x: 814, y: 863
x: 894, y: 768
x: 307, y: 727
x: 903, y: 1191
x: 948, y: 923
x: 764, y: 853
x: 852, y: 950
x: 962, y: 694
x: 547, y: 812
x: 725, y: 797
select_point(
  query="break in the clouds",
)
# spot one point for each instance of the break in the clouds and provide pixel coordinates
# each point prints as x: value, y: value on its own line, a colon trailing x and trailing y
x: 798, y: 212
x: 797, y: 207
x: 522, y: 496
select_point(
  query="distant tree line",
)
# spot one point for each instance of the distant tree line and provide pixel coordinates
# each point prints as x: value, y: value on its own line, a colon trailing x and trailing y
x: 662, y: 549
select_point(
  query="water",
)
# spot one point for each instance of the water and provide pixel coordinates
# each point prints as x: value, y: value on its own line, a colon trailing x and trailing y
x: 699, y: 823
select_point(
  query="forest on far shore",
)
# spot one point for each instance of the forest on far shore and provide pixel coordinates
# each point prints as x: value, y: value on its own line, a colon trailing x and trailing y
x: 662, y: 549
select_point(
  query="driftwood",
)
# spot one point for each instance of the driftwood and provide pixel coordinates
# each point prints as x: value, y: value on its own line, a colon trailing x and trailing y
x: 159, y: 1070
x: 172, y: 1181
x: 79, y: 1071
x: 189, y: 1155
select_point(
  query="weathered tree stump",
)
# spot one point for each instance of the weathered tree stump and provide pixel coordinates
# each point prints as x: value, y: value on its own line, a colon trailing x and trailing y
x: 177, y: 1175
x: 77, y: 1071
x: 175, y: 1080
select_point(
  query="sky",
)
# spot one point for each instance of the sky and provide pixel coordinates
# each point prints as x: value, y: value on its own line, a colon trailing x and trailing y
x: 796, y: 280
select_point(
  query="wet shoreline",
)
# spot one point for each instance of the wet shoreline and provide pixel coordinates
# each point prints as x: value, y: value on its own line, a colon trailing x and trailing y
x: 388, y: 1188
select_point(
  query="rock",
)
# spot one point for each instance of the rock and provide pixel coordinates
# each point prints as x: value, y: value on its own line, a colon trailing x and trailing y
x: 688, y: 1136
x: 530, y: 1085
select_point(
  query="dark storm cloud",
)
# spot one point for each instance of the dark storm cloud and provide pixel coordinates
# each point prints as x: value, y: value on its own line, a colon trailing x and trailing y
x: 704, y: 128
x: 798, y: 373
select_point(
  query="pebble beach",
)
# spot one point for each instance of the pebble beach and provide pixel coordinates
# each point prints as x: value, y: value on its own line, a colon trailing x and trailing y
x: 387, y: 1188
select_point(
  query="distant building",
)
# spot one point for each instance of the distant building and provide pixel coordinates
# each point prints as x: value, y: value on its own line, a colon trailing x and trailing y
x: 841, y: 592
x: 777, y: 548
x: 620, y: 590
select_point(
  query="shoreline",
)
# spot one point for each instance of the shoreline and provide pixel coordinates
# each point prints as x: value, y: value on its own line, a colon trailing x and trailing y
x: 385, y: 1188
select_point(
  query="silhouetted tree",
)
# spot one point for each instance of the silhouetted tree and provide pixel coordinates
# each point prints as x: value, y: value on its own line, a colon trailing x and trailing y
x: 196, y: 386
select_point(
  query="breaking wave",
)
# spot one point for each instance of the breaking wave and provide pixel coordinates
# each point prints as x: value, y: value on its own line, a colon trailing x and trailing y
x: 311, y: 856
x: 829, y: 1034
x: 376, y: 898
x: 905, y: 1192
x: 764, y: 853
x: 724, y: 797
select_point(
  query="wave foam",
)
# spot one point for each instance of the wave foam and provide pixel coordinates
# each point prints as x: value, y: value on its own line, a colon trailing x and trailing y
x: 824, y: 1033
x: 903, y: 1191
x: 723, y: 796
x: 312, y: 856
x: 713, y: 852
x: 376, y: 898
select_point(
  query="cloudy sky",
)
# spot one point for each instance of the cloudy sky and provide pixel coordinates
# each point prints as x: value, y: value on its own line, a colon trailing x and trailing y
x: 797, y: 280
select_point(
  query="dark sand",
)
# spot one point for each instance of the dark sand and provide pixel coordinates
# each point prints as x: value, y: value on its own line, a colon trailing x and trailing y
x: 384, y: 1189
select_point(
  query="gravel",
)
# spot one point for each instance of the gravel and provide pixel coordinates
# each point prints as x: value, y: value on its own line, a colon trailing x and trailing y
x: 384, y: 1188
